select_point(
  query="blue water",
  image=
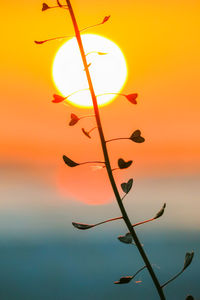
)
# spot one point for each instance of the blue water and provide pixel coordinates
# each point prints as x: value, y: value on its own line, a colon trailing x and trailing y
x: 84, y: 265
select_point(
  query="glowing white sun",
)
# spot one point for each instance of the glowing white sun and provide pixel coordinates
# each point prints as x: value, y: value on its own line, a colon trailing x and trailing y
x: 108, y: 70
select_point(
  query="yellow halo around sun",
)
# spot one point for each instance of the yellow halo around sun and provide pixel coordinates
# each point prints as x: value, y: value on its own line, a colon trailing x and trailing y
x: 107, y: 67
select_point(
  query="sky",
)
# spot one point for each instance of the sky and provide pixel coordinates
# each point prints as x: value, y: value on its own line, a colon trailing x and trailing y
x: 160, y: 42
x: 40, y: 196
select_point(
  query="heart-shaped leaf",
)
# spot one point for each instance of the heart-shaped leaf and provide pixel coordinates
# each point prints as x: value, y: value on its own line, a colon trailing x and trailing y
x: 161, y: 212
x: 188, y: 259
x: 82, y: 226
x: 58, y: 98
x: 127, y: 239
x: 123, y: 164
x: 74, y: 120
x: 136, y: 137
x: 126, y: 186
x: 105, y: 19
x: 125, y: 279
x: 132, y: 98
x: 86, y: 133
x: 45, y: 6
x: 69, y: 162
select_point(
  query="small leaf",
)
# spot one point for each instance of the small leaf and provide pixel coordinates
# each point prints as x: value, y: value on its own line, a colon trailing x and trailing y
x: 127, y: 239
x: 188, y: 259
x: 58, y: 98
x: 136, y: 137
x: 123, y: 165
x: 82, y: 226
x: 189, y: 297
x: 161, y: 212
x: 126, y: 186
x: 74, y: 120
x: 39, y: 42
x: 69, y: 162
x: 132, y: 98
x: 125, y: 279
x: 105, y: 19
x: 86, y: 133
x: 45, y: 6
x: 101, y: 53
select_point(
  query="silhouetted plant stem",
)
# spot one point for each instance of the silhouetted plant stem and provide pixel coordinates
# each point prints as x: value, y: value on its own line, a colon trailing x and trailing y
x: 107, y: 161
x: 92, y: 129
x: 107, y: 221
x: 111, y: 140
x: 173, y: 278
x: 88, y: 226
x: 88, y: 116
x: 92, y: 162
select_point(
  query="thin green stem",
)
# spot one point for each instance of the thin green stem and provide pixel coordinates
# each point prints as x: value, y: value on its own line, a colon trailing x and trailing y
x: 96, y: 52
x: 76, y: 92
x: 107, y: 160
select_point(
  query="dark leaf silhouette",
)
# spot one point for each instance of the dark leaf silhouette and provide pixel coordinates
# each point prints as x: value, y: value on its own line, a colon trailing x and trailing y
x: 189, y: 297
x: 132, y: 98
x: 82, y: 226
x: 126, y: 186
x: 136, y: 137
x: 161, y: 212
x: 74, y: 120
x: 39, y: 42
x: 58, y: 98
x: 127, y: 239
x: 123, y: 165
x: 105, y: 19
x: 188, y: 259
x: 69, y: 162
x: 86, y: 133
x: 45, y: 6
x: 125, y: 279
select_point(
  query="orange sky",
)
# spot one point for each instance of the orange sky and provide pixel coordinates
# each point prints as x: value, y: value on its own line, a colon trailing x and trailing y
x: 160, y: 40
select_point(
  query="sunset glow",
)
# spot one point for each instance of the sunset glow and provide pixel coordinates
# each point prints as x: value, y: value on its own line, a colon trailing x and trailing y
x: 106, y: 63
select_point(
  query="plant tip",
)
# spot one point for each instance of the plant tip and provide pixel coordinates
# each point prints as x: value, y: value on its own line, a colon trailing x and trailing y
x: 45, y: 6
x: 132, y: 98
x: 105, y: 19
x: 58, y: 98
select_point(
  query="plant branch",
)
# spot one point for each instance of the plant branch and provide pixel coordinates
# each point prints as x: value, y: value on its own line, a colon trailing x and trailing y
x: 66, y: 36
x: 92, y: 162
x: 107, y: 161
x: 173, y: 278
x: 116, y: 139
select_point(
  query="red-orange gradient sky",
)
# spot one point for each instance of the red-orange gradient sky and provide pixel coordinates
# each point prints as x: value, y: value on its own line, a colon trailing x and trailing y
x: 160, y: 40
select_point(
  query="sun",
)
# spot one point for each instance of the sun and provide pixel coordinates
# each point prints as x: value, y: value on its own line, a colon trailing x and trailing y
x: 107, y: 67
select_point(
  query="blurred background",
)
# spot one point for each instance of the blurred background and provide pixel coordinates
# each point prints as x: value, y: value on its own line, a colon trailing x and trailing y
x: 41, y: 254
